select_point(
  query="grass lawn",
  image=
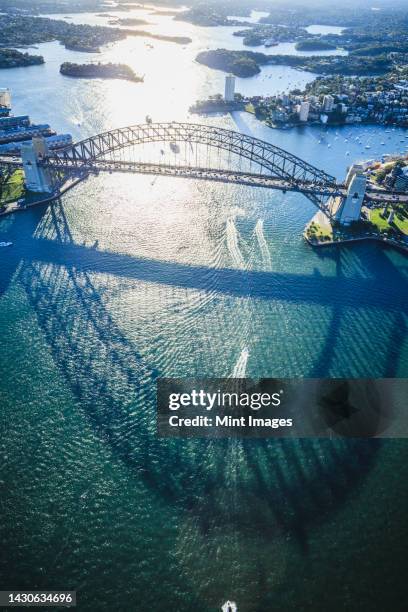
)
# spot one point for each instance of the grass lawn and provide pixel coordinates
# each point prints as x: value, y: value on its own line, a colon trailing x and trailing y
x: 315, y: 230
x: 382, y: 224
x: 13, y: 189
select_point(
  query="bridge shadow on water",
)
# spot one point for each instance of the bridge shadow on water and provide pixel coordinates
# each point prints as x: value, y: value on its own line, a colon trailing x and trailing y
x: 267, y: 486
x: 396, y: 289
x: 331, y: 291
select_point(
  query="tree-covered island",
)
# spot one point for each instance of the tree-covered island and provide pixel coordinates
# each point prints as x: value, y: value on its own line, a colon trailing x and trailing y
x: 10, y: 58
x: 100, y: 71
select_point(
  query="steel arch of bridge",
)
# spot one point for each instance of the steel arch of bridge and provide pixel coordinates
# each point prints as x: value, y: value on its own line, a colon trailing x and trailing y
x: 274, y: 162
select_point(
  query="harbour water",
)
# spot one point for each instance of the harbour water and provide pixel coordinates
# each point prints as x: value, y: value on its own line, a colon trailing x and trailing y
x: 127, y: 279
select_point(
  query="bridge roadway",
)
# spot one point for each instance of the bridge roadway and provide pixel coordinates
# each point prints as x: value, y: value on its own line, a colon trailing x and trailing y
x: 113, y: 151
x: 184, y: 171
x: 373, y: 194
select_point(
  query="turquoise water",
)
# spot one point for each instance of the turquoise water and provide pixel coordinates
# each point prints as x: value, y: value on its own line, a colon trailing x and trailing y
x: 129, y: 278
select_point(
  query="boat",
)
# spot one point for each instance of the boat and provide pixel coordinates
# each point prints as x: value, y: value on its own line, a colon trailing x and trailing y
x: 5, y: 244
x: 367, y: 147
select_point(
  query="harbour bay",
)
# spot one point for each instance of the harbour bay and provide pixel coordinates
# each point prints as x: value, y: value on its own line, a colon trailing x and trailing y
x: 128, y: 278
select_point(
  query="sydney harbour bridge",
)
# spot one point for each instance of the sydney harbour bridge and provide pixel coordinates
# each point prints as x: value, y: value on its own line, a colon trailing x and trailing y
x: 190, y: 151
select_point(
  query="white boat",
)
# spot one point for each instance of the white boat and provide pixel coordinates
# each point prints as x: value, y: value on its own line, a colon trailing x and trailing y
x: 5, y: 244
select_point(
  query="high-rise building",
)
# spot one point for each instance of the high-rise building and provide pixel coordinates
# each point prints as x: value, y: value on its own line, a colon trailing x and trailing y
x: 328, y: 103
x: 229, y: 88
x: 5, y: 98
x: 304, y: 108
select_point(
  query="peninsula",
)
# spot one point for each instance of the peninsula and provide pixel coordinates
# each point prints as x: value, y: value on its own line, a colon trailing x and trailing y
x: 247, y: 63
x: 127, y: 21
x: 10, y: 58
x: 19, y: 31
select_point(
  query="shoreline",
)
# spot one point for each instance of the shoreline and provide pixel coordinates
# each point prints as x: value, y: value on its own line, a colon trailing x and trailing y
x: 384, y: 241
x: 13, y: 207
x: 334, y: 243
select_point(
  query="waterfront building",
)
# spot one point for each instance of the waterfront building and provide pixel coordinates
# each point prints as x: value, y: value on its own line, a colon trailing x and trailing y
x: 25, y: 133
x: 304, y: 108
x: 328, y: 103
x: 53, y: 142
x: 13, y: 122
x: 5, y: 98
x: 229, y: 95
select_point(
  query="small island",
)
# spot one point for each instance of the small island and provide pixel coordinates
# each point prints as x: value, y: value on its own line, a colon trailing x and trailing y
x: 315, y: 44
x: 180, y: 40
x: 100, y: 71
x: 127, y: 21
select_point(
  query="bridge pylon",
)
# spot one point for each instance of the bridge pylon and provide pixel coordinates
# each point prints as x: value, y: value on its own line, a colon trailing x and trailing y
x: 37, y: 177
x: 349, y: 209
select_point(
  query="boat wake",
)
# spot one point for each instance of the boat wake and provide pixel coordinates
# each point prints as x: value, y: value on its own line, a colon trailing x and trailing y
x: 241, y: 365
x: 260, y: 236
x: 232, y: 235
